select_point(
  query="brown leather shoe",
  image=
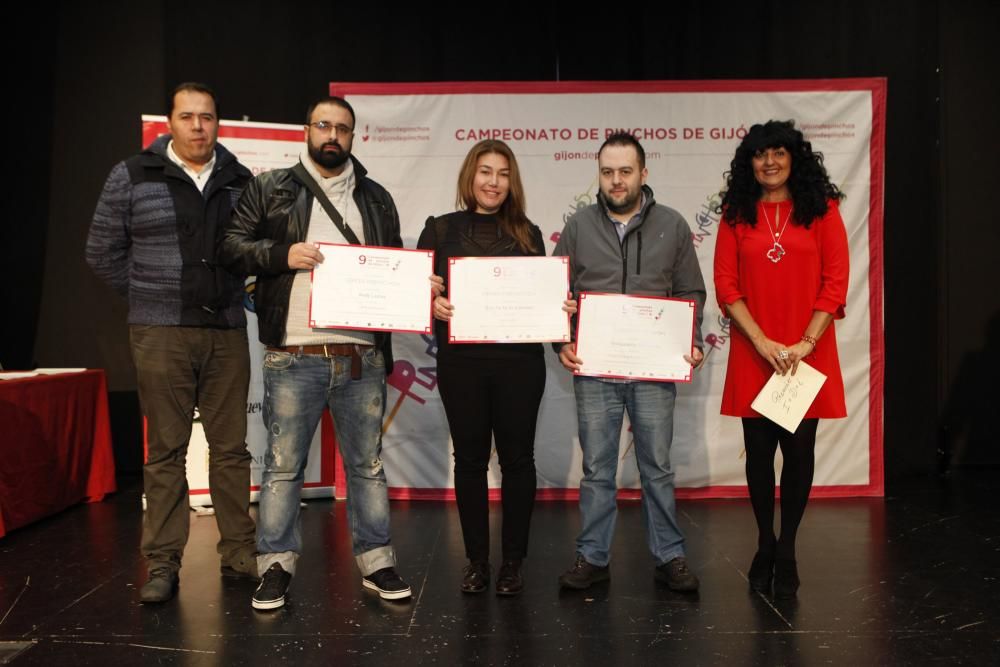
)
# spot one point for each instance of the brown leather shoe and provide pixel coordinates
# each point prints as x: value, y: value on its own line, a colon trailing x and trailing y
x: 244, y: 565
x: 509, y: 579
x: 160, y: 587
x: 476, y: 577
x: 583, y: 574
x: 677, y: 575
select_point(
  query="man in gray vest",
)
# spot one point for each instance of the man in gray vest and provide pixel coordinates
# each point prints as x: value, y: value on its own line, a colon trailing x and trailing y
x: 277, y: 223
x: 153, y: 239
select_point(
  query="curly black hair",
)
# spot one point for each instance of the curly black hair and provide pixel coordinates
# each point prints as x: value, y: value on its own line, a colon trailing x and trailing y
x: 809, y: 184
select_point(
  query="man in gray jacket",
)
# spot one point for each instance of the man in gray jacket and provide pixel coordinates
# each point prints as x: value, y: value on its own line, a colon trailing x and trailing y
x: 627, y: 243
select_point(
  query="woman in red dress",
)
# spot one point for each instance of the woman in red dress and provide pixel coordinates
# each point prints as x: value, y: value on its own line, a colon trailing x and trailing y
x: 781, y: 271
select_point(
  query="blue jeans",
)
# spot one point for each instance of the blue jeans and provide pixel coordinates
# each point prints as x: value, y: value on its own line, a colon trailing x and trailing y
x: 297, y: 388
x: 600, y: 407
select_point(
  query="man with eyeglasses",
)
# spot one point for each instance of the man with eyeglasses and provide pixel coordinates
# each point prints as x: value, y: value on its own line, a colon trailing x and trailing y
x: 153, y: 239
x: 273, y: 235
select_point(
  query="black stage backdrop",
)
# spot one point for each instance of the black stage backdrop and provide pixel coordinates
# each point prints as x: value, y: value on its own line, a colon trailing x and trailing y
x: 80, y: 74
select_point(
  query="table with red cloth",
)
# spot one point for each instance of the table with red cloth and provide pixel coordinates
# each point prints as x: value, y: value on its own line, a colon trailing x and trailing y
x: 55, y: 445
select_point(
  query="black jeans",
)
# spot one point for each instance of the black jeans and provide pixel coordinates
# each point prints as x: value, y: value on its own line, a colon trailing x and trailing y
x: 498, y: 398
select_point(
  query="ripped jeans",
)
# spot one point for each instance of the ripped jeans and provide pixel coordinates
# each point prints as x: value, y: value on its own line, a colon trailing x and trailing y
x: 297, y: 388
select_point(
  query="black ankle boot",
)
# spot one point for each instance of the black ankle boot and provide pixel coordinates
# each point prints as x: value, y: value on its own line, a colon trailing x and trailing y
x: 761, y: 572
x: 786, y: 578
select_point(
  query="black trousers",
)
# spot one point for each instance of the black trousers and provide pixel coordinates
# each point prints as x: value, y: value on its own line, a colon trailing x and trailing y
x: 497, y: 399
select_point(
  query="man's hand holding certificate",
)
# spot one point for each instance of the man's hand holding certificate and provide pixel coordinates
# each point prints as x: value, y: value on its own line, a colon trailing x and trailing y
x: 367, y: 287
x: 508, y: 299
x: 635, y: 337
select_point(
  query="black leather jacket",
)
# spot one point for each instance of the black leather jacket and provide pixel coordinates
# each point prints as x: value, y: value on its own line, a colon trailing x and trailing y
x: 272, y: 215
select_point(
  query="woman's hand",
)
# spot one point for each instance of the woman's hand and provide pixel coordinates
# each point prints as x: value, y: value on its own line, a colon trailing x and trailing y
x: 569, y: 306
x: 776, y: 354
x: 442, y: 309
x: 568, y: 358
x: 437, y: 285
x: 798, y: 351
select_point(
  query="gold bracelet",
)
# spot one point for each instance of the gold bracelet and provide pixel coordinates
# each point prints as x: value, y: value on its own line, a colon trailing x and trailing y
x: 809, y: 339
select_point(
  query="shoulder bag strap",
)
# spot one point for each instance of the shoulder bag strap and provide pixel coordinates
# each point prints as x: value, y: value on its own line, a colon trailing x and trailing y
x: 324, y: 201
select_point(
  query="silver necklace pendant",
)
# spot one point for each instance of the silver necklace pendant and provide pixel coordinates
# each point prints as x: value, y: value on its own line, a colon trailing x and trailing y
x: 776, y: 252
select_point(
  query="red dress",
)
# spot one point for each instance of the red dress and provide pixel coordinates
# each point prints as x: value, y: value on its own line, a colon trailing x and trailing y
x: 781, y: 296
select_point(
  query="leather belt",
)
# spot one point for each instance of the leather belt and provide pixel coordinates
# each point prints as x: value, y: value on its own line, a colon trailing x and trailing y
x: 352, y: 350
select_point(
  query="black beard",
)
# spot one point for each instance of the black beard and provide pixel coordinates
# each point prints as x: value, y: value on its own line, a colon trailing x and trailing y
x: 328, y: 160
x: 624, y: 207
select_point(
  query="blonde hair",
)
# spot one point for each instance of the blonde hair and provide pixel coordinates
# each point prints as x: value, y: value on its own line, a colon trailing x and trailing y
x: 513, y: 220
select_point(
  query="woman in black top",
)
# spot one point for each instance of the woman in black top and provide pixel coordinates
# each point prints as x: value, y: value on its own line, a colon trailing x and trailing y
x: 489, y: 390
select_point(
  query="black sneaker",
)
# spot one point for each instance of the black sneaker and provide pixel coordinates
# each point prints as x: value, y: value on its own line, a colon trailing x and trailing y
x: 676, y: 575
x: 583, y: 574
x: 388, y: 584
x: 271, y: 592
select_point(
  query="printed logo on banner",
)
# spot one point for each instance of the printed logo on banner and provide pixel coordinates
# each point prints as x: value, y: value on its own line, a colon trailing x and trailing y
x: 706, y: 219
x: 719, y: 335
x: 579, y: 202
x: 405, y: 375
x: 396, y: 134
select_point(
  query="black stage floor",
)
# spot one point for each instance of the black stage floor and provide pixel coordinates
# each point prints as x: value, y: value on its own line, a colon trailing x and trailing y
x: 910, y: 579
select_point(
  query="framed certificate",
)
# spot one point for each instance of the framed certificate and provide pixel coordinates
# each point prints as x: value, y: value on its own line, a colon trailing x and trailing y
x: 508, y: 299
x: 371, y: 288
x: 635, y: 337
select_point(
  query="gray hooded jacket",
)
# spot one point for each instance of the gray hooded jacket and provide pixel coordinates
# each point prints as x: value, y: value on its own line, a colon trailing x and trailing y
x: 656, y: 257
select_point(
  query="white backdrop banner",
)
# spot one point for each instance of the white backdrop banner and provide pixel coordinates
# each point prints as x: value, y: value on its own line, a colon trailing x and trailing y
x: 412, y: 139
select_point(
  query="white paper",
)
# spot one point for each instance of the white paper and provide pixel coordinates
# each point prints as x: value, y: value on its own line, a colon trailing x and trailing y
x: 372, y: 288
x: 17, y: 375
x: 508, y: 299
x: 635, y: 337
x: 786, y: 398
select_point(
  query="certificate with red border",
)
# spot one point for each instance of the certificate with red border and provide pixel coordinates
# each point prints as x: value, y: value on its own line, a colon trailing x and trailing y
x: 635, y: 337
x: 508, y: 299
x: 371, y: 288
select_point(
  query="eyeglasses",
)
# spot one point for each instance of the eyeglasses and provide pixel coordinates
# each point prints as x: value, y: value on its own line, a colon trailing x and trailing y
x: 328, y: 127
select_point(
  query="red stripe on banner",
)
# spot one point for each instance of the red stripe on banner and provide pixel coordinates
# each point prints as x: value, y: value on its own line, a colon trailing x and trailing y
x: 343, y: 89
x: 876, y: 432
x: 256, y: 487
x: 329, y: 463
x: 331, y: 467
x: 269, y: 133
x: 700, y: 493
x: 151, y: 129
